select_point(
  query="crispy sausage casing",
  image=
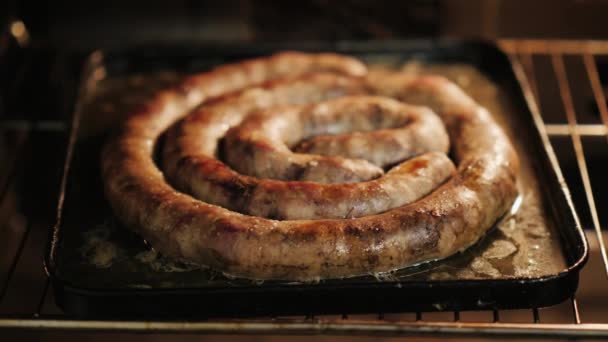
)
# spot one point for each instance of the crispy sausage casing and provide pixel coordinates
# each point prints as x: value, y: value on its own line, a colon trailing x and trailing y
x: 449, y: 219
x: 259, y: 146
x: 192, y: 145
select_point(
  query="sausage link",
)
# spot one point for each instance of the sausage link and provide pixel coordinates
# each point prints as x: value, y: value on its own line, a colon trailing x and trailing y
x: 448, y: 220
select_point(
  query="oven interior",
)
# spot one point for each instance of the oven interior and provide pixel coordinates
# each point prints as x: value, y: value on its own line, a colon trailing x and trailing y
x: 42, y: 49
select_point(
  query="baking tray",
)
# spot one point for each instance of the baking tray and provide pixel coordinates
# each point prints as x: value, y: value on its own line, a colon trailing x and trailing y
x: 98, y: 268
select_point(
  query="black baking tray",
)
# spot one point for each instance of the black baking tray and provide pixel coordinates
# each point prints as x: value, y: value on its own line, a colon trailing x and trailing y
x: 98, y: 292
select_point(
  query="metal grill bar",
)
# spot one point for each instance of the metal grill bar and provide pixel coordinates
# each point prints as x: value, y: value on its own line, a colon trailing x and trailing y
x: 590, y: 130
x: 495, y: 316
x: 528, y: 63
x: 564, y: 87
x: 333, y: 327
x: 535, y: 315
x: 575, y: 47
x: 600, y: 100
x: 575, y: 312
x: 526, y: 58
x: 596, y: 86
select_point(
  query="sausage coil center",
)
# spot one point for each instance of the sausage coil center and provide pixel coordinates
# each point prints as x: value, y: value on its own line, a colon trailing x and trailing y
x: 302, y: 167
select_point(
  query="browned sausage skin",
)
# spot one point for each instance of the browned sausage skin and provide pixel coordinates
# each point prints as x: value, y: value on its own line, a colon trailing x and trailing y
x: 448, y: 220
x: 382, y: 131
x: 192, y: 144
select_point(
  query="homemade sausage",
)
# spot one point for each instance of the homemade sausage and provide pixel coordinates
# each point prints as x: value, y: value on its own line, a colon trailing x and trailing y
x: 190, y: 149
x: 382, y: 132
x: 448, y: 220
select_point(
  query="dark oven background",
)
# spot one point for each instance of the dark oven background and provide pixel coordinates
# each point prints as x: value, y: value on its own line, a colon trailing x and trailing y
x: 69, y: 23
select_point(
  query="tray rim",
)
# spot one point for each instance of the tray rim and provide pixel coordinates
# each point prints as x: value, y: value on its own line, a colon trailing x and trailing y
x: 88, y: 79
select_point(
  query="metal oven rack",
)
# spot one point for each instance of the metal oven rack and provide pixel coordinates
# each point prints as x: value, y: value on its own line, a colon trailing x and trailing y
x: 563, y: 83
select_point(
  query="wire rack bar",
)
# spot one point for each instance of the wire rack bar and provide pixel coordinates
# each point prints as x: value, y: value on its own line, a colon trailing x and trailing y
x: 589, y: 130
x: 528, y: 64
x: 596, y: 86
x: 495, y: 316
x: 335, y: 327
x: 600, y: 99
x: 564, y: 87
x: 575, y: 312
x: 535, y: 315
x: 537, y: 46
x: 526, y: 50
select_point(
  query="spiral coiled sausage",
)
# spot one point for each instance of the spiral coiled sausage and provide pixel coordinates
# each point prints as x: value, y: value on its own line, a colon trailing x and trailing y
x: 357, y: 235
